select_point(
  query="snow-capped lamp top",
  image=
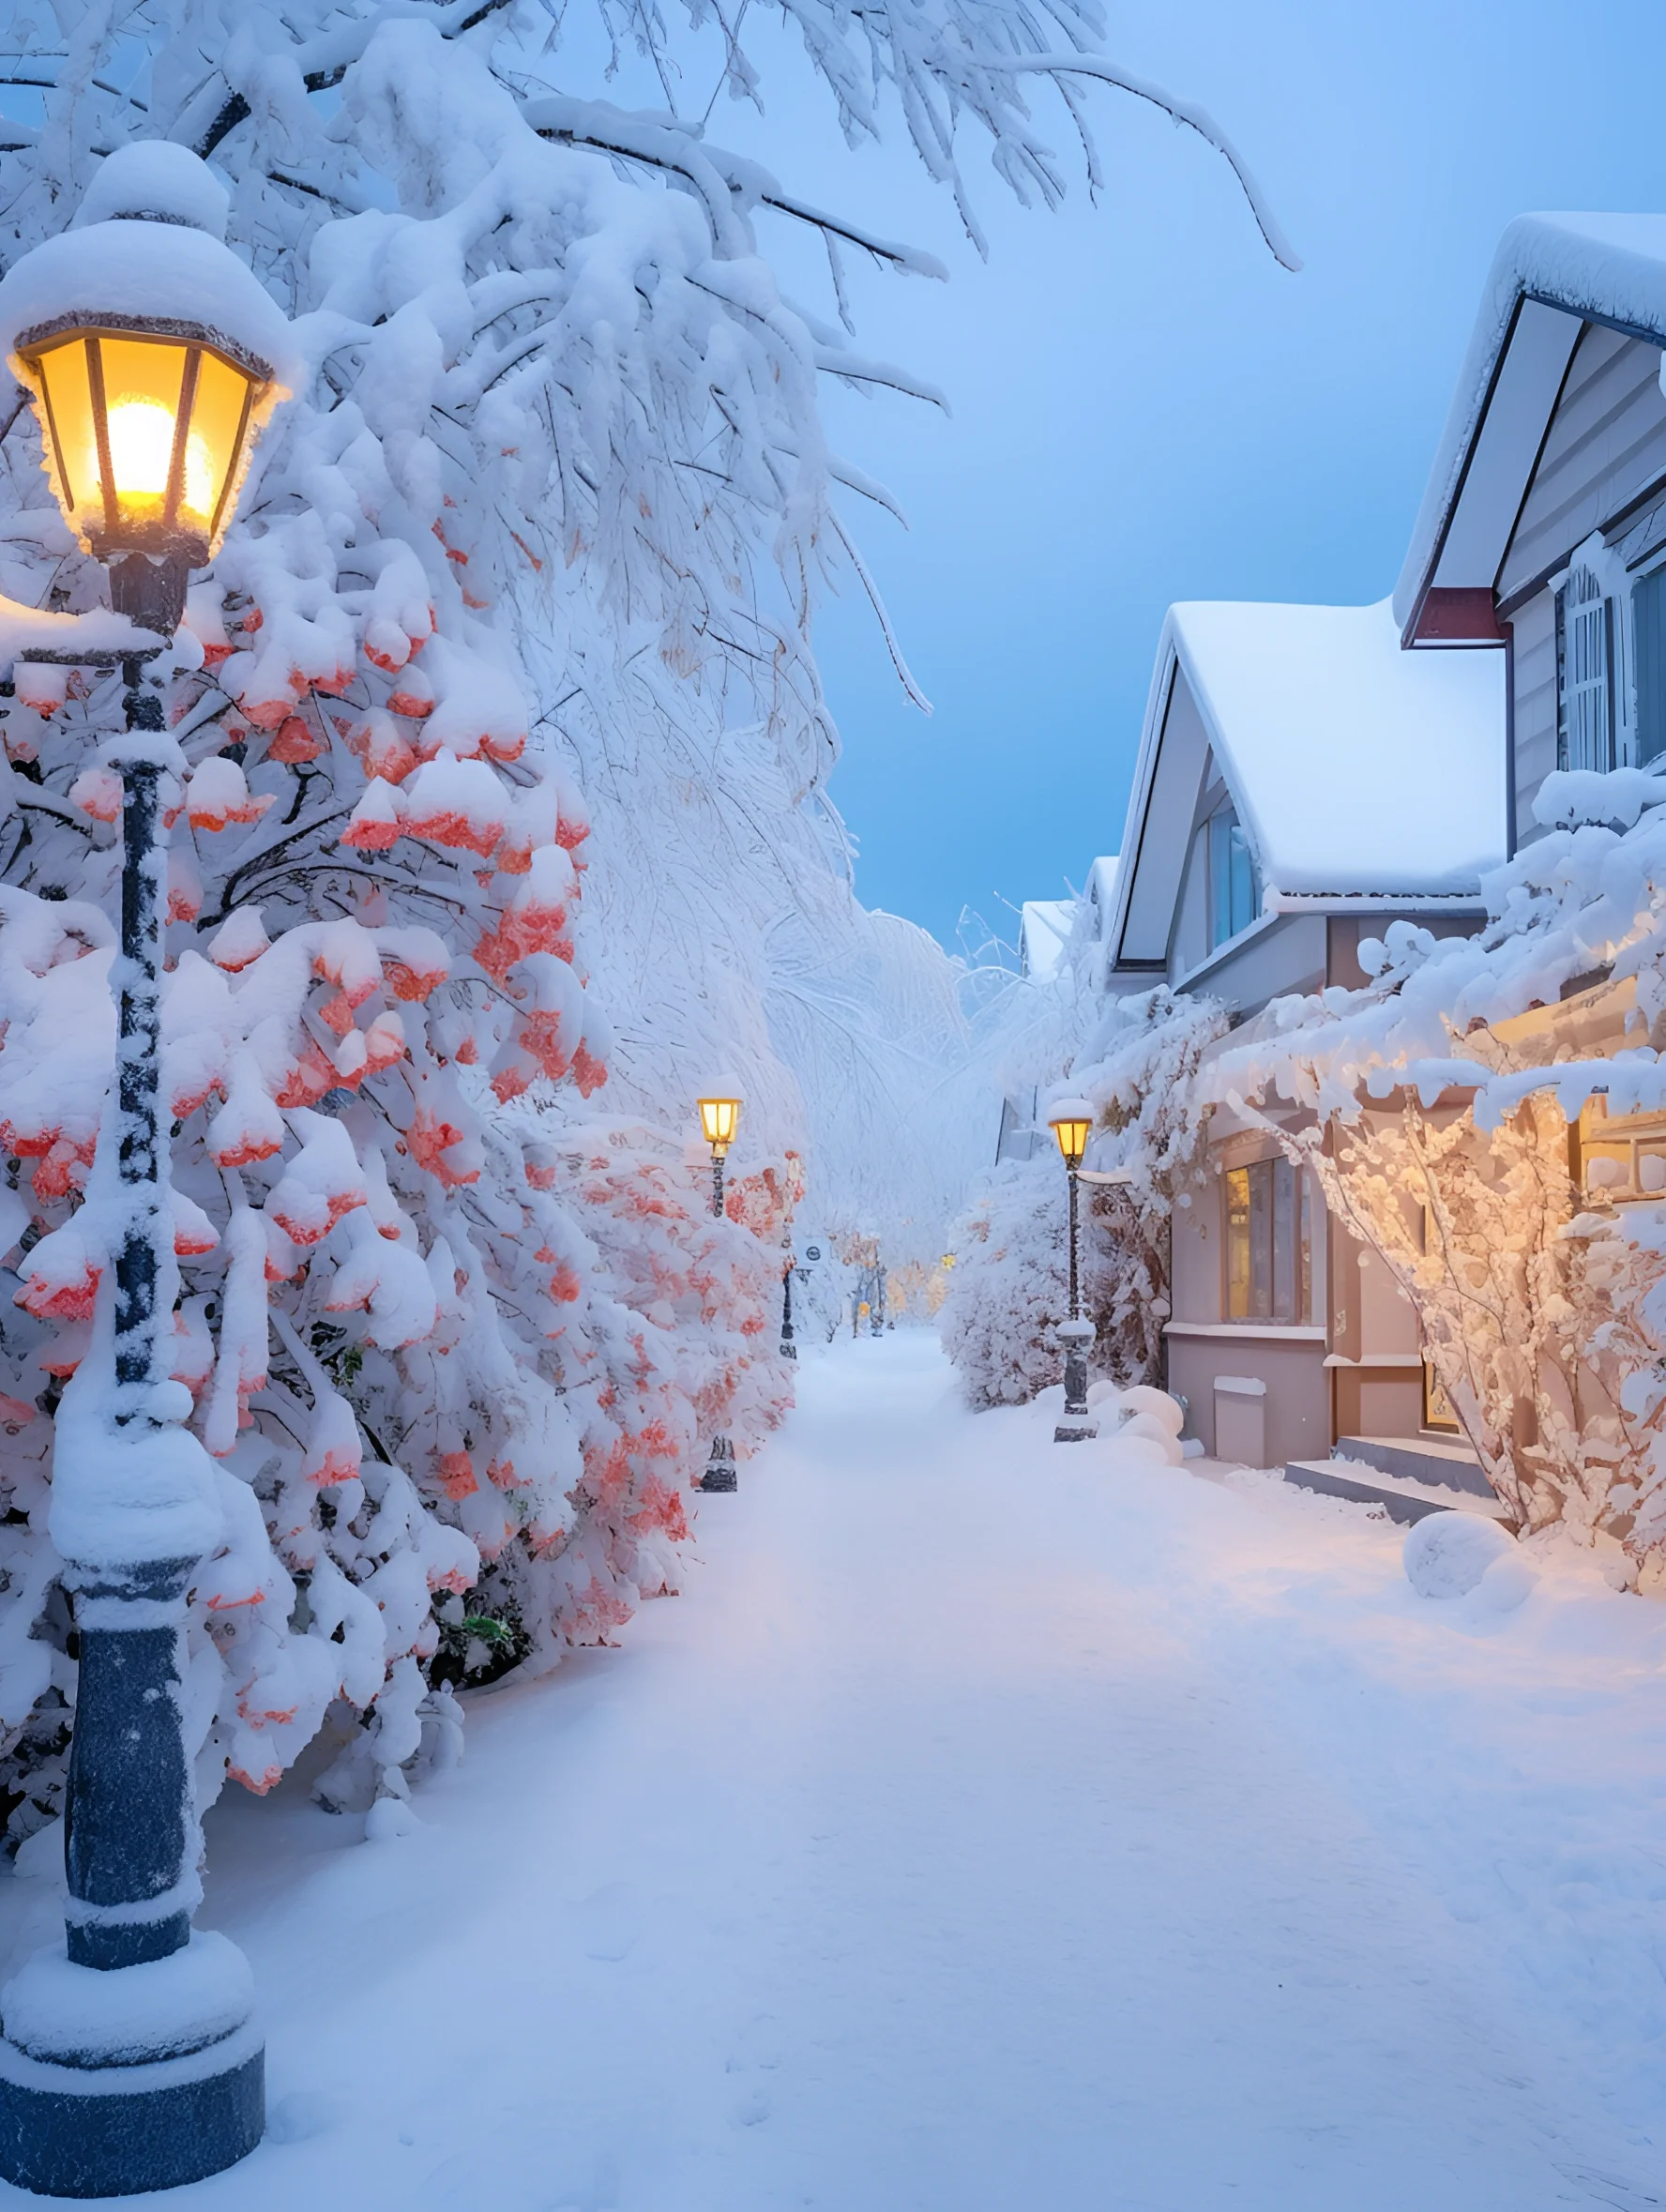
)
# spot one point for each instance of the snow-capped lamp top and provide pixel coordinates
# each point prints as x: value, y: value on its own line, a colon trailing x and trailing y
x: 154, y: 180
x: 154, y: 357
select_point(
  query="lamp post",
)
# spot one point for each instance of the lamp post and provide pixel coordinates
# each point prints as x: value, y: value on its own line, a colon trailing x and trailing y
x: 130, y: 2060
x: 1071, y: 1122
x: 719, y: 1118
x: 789, y: 1349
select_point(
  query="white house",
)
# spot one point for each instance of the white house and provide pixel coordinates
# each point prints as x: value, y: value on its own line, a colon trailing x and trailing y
x: 1301, y: 782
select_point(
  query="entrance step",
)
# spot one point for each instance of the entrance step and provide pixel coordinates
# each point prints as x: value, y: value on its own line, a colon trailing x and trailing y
x: 1403, y: 1498
x: 1446, y: 1462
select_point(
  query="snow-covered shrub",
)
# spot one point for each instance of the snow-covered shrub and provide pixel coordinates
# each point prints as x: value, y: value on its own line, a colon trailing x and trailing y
x: 1447, y: 1554
x: 1009, y: 1289
x: 1544, y: 1318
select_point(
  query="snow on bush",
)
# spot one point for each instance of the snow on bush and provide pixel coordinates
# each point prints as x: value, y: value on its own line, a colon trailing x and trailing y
x: 1447, y: 1554
x: 1011, y: 1285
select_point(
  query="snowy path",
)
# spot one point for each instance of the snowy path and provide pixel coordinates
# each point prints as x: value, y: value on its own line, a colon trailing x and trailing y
x: 931, y: 1852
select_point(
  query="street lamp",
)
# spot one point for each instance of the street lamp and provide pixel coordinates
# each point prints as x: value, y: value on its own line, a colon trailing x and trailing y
x: 1071, y: 1122
x: 131, y: 2061
x: 719, y: 1118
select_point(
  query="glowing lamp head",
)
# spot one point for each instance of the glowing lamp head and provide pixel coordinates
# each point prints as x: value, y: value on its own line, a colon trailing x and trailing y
x: 146, y: 426
x: 719, y: 1118
x: 1071, y: 1122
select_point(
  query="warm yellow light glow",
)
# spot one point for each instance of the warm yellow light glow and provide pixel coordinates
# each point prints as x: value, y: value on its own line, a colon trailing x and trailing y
x: 142, y: 455
x: 1072, y: 1132
x: 147, y: 435
x: 718, y: 1120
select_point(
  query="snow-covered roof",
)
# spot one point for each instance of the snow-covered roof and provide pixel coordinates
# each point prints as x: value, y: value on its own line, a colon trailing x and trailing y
x: 1044, y: 927
x: 1357, y: 769
x: 1550, y: 275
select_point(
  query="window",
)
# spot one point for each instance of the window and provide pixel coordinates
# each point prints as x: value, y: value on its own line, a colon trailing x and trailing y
x: 1232, y: 878
x: 1268, y: 1272
x: 1648, y: 623
x: 1585, y: 671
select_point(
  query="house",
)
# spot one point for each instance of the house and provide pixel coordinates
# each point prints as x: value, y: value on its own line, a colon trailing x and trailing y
x: 1543, y: 527
x: 1302, y: 780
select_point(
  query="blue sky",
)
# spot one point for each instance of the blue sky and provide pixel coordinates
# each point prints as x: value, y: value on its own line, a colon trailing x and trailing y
x: 1147, y: 408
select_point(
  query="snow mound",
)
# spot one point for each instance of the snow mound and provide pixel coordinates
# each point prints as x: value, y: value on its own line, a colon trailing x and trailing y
x: 154, y: 178
x: 1140, y: 1415
x: 1447, y: 1554
x: 388, y: 1819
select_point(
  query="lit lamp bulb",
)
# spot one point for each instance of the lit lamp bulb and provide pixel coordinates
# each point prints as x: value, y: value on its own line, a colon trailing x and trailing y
x: 142, y: 459
x: 719, y: 1118
x: 1071, y: 1122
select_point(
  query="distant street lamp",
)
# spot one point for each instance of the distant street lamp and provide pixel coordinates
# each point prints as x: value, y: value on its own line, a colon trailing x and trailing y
x: 719, y: 1118
x: 1071, y: 1122
x: 788, y: 1350
x: 130, y: 2059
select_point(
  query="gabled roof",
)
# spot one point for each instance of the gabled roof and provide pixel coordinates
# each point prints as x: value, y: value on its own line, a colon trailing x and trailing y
x: 1552, y: 275
x: 1357, y: 769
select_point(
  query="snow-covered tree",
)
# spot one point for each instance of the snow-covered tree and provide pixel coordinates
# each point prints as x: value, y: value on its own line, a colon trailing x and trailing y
x: 503, y: 774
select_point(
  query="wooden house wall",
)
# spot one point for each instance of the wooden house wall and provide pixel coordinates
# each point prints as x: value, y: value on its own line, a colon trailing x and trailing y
x: 1606, y: 445
x: 1534, y: 704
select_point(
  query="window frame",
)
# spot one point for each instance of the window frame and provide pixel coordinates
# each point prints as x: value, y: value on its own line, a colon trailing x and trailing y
x: 1585, y: 621
x: 1267, y: 1243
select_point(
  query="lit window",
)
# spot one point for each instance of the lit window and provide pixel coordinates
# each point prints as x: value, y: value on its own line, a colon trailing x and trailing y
x: 1268, y: 1277
x: 1232, y: 878
x: 1621, y: 1159
x: 1584, y: 674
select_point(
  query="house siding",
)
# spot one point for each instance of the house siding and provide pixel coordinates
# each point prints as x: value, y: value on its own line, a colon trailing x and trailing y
x: 1606, y: 444
x: 1534, y: 700
x: 1288, y: 956
x: 1190, y: 941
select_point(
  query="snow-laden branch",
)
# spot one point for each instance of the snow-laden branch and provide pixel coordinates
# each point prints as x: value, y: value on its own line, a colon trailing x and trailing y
x: 964, y: 67
x: 726, y: 181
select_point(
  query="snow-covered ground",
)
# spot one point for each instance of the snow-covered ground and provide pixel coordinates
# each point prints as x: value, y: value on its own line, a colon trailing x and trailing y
x: 993, y: 1827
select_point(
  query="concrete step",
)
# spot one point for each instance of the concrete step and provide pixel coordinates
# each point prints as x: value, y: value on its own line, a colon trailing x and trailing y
x: 1447, y: 1463
x: 1403, y: 1499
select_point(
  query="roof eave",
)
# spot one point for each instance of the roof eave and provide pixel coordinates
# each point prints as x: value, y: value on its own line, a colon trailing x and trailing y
x: 1516, y: 278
